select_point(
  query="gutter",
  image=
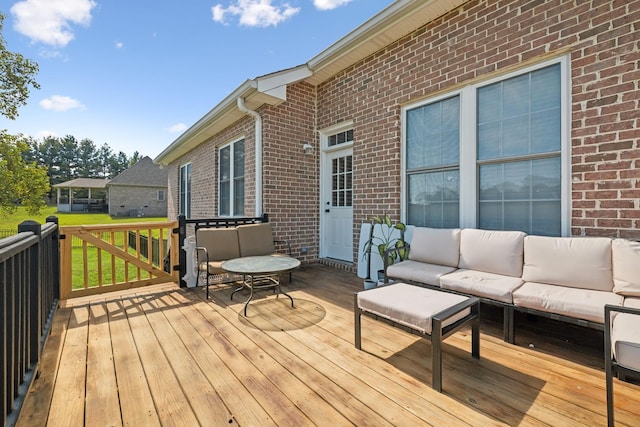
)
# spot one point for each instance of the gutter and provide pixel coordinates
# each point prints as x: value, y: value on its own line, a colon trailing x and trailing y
x: 258, y: 151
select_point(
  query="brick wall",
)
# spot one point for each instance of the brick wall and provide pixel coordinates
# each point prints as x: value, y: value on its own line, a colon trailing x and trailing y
x: 144, y: 200
x: 290, y: 181
x: 483, y: 39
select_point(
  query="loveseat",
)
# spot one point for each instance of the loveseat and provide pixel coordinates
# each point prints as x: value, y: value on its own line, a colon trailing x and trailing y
x: 216, y: 245
x: 565, y: 278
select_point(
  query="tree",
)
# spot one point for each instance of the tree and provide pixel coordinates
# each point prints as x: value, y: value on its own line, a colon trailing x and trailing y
x: 22, y: 183
x: 17, y: 74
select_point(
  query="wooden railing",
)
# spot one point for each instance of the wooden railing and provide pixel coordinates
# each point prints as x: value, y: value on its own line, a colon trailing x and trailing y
x: 103, y: 258
x: 28, y: 297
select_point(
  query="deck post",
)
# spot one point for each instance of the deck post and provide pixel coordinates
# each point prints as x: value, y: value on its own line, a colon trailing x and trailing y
x: 182, y: 257
x: 33, y: 296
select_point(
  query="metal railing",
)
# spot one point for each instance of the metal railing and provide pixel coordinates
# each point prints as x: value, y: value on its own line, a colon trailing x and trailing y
x: 225, y: 222
x: 29, y: 293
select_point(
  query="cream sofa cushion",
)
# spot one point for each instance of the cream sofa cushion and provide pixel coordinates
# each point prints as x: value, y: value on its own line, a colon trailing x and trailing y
x: 488, y: 285
x: 577, y: 262
x: 416, y: 271
x: 436, y: 246
x: 410, y: 305
x: 498, y: 252
x: 568, y: 301
x: 626, y: 267
x: 632, y: 302
x: 625, y: 340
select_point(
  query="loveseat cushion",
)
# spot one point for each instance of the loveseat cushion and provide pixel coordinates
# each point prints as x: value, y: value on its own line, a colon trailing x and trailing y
x: 625, y: 340
x: 416, y: 271
x: 436, y: 246
x: 221, y: 243
x: 626, y: 267
x: 498, y: 252
x: 568, y: 301
x: 479, y: 283
x: 577, y: 262
x: 256, y: 239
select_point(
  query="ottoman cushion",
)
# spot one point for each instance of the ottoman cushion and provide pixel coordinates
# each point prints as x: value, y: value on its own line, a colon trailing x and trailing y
x: 410, y: 305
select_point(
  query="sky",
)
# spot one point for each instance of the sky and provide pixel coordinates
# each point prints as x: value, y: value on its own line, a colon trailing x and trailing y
x: 135, y: 74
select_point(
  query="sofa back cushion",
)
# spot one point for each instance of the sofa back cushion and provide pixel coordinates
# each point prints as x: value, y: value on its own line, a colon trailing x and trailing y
x: 577, y: 262
x: 256, y: 239
x: 498, y: 252
x: 221, y: 243
x: 439, y: 246
x: 626, y: 267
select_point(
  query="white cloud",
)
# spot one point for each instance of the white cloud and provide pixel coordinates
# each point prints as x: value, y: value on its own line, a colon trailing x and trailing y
x: 329, y: 4
x: 61, y: 103
x: 255, y: 13
x: 178, y: 127
x: 119, y: 45
x: 49, y: 21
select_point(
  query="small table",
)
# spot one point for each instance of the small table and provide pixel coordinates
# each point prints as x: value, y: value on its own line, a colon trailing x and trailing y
x: 262, y: 272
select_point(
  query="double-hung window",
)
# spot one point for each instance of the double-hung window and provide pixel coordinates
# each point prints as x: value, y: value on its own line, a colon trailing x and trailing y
x: 491, y: 155
x: 433, y: 157
x: 231, y: 179
x: 185, y: 190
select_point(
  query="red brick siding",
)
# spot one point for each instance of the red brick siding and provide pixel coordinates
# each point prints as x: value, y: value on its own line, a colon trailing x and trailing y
x: 478, y: 41
x: 290, y: 181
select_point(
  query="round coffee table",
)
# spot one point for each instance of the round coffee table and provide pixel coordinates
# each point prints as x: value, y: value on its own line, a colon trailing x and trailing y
x: 260, y: 272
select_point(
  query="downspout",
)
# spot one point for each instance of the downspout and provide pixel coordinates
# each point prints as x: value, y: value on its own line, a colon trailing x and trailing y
x: 258, y: 153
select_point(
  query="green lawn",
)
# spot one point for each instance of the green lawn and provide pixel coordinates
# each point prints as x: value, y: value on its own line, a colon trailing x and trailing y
x: 9, y: 226
x: 11, y: 222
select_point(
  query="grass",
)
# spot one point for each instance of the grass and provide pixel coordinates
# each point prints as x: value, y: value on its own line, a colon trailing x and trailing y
x: 9, y: 225
x: 10, y: 222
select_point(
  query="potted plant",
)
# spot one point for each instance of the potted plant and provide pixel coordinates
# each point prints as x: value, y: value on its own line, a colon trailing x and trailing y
x: 386, y: 239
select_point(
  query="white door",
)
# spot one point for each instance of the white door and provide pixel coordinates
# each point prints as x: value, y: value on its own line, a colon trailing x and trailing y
x: 337, y: 205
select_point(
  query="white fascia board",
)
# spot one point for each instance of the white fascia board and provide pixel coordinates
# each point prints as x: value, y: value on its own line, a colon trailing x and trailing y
x: 275, y: 84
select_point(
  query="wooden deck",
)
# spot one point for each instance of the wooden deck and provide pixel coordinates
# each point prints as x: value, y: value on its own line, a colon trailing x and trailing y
x: 165, y: 356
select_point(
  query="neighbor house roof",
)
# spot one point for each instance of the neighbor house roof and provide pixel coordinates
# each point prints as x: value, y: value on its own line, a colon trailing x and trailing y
x: 397, y: 20
x: 83, y: 183
x: 144, y: 173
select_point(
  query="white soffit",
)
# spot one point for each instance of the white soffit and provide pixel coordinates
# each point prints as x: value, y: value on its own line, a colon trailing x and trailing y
x: 394, y: 22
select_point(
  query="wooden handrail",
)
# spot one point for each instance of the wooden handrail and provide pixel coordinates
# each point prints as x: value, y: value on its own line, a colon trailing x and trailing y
x: 102, y: 258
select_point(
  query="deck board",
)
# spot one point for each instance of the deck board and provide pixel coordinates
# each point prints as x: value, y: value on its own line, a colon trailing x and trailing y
x: 167, y: 356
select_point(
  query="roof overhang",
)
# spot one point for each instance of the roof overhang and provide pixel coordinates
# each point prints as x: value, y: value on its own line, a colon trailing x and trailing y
x: 270, y: 89
x: 399, y: 19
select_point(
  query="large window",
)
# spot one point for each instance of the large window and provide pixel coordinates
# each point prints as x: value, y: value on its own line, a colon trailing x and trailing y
x: 490, y: 155
x: 185, y: 190
x: 231, y: 179
x: 433, y: 155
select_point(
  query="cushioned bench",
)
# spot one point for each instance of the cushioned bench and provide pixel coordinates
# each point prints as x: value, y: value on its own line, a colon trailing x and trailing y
x: 430, y: 313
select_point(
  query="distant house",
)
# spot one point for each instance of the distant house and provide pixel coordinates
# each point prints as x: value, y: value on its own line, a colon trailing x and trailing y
x: 82, y: 195
x: 140, y: 190
x: 514, y: 115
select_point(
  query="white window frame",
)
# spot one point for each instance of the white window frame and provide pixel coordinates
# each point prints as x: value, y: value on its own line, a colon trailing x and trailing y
x: 184, y: 205
x: 468, y: 144
x: 160, y: 196
x: 231, y: 178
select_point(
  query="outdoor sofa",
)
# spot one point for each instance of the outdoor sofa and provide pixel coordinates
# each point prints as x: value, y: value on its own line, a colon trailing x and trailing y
x: 564, y: 278
x: 216, y: 245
